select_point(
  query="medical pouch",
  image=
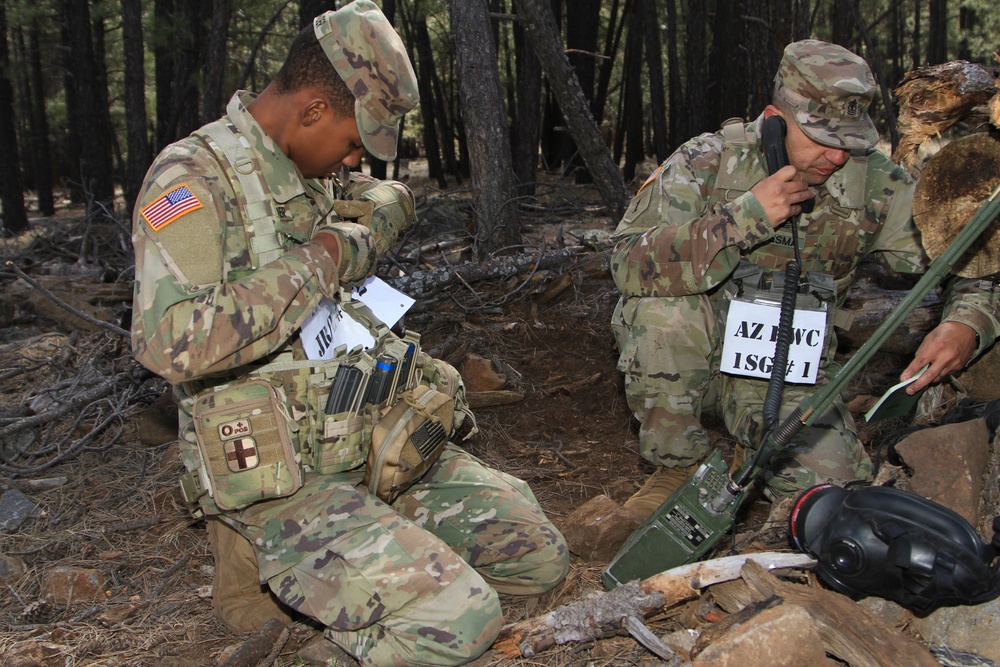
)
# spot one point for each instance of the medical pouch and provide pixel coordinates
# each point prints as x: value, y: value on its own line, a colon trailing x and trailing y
x: 407, y: 440
x: 244, y: 435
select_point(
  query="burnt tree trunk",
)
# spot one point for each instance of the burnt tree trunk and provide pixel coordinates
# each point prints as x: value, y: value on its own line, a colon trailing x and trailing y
x: 213, y: 98
x: 527, y: 128
x: 654, y: 66
x: 15, y: 219
x: 90, y: 122
x: 497, y: 221
x: 582, y: 126
x: 135, y: 101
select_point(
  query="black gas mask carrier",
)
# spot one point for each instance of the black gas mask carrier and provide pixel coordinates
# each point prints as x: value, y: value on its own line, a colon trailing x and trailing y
x: 896, y: 545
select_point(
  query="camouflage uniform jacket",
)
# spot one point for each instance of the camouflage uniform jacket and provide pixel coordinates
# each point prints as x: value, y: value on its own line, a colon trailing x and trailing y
x: 695, y: 220
x: 206, y: 311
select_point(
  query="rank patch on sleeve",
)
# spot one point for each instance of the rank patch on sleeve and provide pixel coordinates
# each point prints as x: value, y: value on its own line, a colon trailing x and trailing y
x: 170, y: 206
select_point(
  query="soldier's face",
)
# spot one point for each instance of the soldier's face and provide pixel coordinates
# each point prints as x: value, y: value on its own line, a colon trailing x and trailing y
x: 814, y: 162
x: 327, y: 145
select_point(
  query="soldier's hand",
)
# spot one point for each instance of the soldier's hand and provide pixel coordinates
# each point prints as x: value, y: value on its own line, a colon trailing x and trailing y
x: 947, y: 348
x: 781, y: 195
x: 355, y: 249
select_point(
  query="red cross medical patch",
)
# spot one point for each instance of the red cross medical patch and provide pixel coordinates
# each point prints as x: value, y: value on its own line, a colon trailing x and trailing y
x: 170, y: 206
x: 241, y: 454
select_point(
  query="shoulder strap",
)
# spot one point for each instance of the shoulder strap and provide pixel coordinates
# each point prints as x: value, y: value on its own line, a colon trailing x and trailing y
x: 733, y: 177
x: 259, y: 212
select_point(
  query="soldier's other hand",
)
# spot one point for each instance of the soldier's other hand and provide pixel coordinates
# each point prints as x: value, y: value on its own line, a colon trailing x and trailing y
x: 355, y: 249
x: 781, y: 195
x: 947, y: 348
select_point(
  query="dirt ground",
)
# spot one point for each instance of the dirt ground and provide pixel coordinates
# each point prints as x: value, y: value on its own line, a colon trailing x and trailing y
x: 114, y: 506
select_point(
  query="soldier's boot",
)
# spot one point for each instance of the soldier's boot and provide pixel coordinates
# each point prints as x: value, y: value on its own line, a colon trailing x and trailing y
x: 238, y: 600
x: 657, y: 488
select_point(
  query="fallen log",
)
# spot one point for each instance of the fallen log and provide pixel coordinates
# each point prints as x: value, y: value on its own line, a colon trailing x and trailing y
x: 870, y: 305
x: 595, y: 617
x: 425, y: 284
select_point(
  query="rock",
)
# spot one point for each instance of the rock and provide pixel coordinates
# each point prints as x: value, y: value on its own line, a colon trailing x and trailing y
x: 15, y: 509
x: 981, y: 380
x: 783, y: 636
x: 66, y: 585
x: 11, y: 569
x: 479, y: 374
x: 34, y: 653
x: 597, y: 529
x: 959, y: 484
x: 159, y: 423
x: 975, y: 629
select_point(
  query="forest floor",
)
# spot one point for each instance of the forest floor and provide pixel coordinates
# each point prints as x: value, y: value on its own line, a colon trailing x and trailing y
x: 112, y: 505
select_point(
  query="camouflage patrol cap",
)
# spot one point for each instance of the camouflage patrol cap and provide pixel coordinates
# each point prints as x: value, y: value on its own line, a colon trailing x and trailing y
x: 369, y: 56
x: 829, y: 89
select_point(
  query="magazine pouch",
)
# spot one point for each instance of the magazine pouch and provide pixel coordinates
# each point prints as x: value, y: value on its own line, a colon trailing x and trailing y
x: 407, y: 440
x: 243, y: 434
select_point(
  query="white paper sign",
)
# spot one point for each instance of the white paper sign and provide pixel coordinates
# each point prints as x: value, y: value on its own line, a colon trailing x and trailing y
x: 329, y: 327
x: 751, y: 334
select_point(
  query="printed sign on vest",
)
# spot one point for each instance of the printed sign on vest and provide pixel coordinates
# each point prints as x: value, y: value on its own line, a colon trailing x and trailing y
x: 329, y: 327
x: 751, y: 334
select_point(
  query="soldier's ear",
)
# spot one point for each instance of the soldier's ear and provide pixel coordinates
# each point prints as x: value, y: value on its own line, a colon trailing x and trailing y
x: 313, y: 111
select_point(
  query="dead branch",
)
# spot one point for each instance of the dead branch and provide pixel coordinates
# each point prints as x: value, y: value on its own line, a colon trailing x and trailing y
x: 593, y: 618
x: 258, y: 645
x: 70, y: 309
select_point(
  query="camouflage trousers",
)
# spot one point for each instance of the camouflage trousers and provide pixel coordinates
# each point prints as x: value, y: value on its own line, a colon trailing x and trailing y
x: 670, y: 350
x: 415, y: 583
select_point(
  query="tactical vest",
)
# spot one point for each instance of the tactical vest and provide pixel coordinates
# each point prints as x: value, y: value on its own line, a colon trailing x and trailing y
x: 761, y: 271
x: 300, y: 388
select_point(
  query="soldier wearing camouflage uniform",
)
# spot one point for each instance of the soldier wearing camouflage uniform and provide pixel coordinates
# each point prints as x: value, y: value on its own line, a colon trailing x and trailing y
x: 710, y: 219
x: 241, y: 229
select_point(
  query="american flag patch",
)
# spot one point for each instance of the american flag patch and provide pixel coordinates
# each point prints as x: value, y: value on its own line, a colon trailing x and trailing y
x: 170, y: 206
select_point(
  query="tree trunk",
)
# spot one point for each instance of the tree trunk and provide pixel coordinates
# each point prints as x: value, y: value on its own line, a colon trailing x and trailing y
x: 612, y: 39
x: 90, y: 114
x: 695, y: 56
x: 631, y: 138
x: 581, y: 46
x: 654, y: 65
x: 135, y: 101
x: 840, y: 20
x: 420, y: 40
x: 40, y: 125
x: 758, y: 57
x: 679, y: 111
x: 527, y: 121
x: 541, y: 28
x: 15, y: 219
x: 497, y: 221
x: 937, y: 32
x: 727, y: 93
x: 213, y: 98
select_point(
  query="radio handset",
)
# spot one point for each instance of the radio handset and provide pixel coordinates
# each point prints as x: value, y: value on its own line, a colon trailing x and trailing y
x: 772, y: 136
